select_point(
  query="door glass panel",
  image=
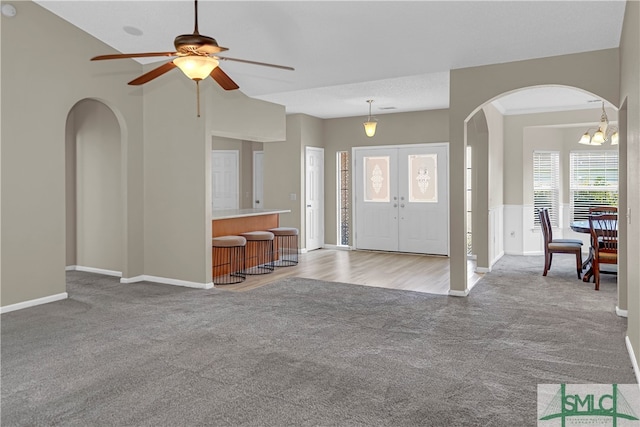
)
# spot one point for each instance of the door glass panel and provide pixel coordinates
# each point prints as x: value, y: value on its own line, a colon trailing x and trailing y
x: 423, y: 178
x: 376, y: 179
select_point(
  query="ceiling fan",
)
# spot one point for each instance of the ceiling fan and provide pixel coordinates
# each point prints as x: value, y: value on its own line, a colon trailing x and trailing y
x: 196, y: 55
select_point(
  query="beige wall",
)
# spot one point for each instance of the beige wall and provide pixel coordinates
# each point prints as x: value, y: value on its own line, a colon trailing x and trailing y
x: 630, y: 232
x: 176, y: 157
x: 284, y: 169
x: 232, y: 114
x: 478, y: 140
x: 495, y: 125
x: 393, y: 129
x: 495, y: 244
x: 41, y: 82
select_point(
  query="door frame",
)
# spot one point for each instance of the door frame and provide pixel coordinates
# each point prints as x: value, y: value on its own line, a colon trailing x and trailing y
x: 354, y: 150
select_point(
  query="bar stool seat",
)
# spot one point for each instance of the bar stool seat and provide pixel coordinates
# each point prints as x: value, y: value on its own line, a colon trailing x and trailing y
x: 259, y: 252
x: 228, y: 254
x: 286, y: 246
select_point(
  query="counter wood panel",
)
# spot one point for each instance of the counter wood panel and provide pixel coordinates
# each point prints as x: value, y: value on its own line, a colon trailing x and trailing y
x: 237, y: 226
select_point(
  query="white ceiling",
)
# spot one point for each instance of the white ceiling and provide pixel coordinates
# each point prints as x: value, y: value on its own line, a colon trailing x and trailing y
x: 397, y: 53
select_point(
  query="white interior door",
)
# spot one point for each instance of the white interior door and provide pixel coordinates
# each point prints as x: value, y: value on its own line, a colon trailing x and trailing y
x: 314, y: 197
x: 224, y: 179
x: 258, y: 179
x: 401, y: 198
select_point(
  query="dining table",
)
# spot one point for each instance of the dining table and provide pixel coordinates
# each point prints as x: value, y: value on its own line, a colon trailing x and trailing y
x: 587, y: 265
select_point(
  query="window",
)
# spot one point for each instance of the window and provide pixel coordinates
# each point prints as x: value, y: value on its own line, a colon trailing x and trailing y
x: 546, y: 185
x: 344, y: 198
x: 593, y: 181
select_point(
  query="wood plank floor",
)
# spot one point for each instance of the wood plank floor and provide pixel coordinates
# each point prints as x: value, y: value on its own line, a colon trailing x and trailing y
x: 420, y: 273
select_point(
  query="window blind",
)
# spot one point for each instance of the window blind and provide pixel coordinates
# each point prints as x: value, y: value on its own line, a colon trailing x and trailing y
x: 593, y: 181
x: 546, y: 184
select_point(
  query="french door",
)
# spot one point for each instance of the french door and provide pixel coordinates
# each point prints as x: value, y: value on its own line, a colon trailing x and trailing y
x: 402, y: 199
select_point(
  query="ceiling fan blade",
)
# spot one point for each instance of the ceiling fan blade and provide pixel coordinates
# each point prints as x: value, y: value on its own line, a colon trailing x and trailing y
x: 156, y: 72
x: 226, y: 58
x: 133, y: 55
x: 223, y: 79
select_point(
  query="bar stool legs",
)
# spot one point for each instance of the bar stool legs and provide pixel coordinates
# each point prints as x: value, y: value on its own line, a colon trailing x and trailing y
x: 286, y: 243
x: 228, y: 254
x: 259, y: 252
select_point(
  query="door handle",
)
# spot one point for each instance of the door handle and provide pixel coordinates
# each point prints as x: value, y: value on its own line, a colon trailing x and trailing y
x: 308, y: 206
x: 257, y: 201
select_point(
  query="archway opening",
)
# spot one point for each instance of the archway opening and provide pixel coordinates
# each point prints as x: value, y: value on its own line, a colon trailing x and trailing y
x: 94, y: 195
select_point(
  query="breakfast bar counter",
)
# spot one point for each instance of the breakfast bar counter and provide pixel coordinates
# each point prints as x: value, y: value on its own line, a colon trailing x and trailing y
x: 233, y: 222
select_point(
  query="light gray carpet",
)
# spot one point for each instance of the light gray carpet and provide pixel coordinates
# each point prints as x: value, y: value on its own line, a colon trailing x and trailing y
x: 304, y: 352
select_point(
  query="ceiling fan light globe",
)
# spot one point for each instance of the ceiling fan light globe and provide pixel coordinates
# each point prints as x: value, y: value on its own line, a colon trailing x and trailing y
x: 196, y: 67
x: 370, y: 128
x: 585, y: 139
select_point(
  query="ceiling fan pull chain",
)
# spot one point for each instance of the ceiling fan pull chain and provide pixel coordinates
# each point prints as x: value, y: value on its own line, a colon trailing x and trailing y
x: 198, y: 95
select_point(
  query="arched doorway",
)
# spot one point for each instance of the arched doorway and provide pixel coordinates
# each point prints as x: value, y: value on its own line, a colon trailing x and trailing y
x: 94, y: 195
x: 556, y: 127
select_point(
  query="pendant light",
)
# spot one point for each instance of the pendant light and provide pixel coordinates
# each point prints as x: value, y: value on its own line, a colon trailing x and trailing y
x: 603, y: 132
x: 371, y: 123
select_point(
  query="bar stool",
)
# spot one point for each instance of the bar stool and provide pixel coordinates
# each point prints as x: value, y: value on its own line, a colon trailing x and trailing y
x: 228, y: 259
x: 259, y: 252
x: 286, y: 243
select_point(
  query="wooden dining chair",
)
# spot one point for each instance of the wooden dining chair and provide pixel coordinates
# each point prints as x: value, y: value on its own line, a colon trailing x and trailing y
x: 604, y: 238
x: 601, y: 210
x: 557, y: 246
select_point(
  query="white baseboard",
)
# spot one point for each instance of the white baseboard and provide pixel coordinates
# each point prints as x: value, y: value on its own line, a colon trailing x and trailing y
x: 167, y: 281
x: 497, y: 258
x: 303, y: 250
x: 458, y: 293
x: 634, y: 361
x: 337, y: 248
x: 621, y: 313
x: 532, y: 253
x: 483, y: 270
x: 33, y: 302
x: 94, y: 270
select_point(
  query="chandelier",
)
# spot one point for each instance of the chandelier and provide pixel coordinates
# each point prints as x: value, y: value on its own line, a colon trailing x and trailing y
x: 603, y: 133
